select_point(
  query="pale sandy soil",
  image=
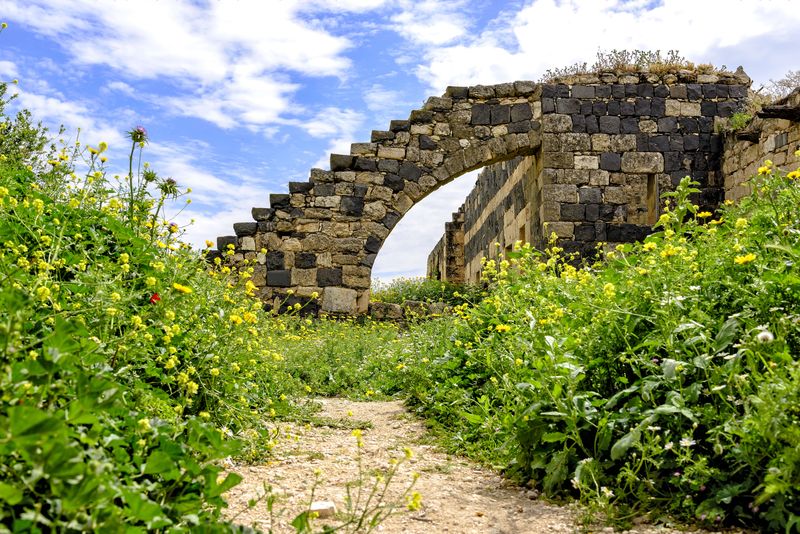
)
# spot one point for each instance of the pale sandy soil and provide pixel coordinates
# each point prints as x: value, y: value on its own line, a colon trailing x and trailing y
x: 457, y: 495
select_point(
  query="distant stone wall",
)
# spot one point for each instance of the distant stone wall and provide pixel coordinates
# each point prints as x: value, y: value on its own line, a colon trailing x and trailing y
x: 496, y: 212
x: 773, y: 135
x: 446, y: 261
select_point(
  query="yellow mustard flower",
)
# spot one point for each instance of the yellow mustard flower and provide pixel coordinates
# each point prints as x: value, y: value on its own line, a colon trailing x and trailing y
x: 746, y: 258
x: 181, y: 288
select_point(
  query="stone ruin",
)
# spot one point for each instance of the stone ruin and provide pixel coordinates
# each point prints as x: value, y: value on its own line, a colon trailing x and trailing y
x: 585, y: 157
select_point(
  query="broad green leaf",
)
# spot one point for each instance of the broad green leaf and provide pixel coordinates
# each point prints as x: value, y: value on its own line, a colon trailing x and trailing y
x: 10, y: 494
x: 624, y: 443
x: 158, y: 462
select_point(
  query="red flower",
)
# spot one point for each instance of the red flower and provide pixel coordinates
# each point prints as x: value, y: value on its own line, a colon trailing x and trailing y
x: 155, y: 298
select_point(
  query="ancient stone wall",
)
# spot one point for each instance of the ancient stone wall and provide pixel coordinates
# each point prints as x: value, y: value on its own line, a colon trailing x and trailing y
x: 608, y: 152
x: 774, y: 134
x: 496, y: 212
x: 604, y: 147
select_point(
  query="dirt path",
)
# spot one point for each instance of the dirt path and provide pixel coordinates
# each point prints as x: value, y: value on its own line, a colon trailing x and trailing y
x: 457, y: 495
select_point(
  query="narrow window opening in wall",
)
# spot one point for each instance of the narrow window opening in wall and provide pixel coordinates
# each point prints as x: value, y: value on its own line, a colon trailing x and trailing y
x: 509, y: 250
x: 652, y: 199
x: 522, y: 233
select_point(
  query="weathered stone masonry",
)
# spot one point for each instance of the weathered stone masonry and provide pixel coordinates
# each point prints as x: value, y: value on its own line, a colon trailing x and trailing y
x: 495, y: 212
x: 597, y: 146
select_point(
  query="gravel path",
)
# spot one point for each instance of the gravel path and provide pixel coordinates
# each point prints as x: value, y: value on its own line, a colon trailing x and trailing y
x: 457, y: 495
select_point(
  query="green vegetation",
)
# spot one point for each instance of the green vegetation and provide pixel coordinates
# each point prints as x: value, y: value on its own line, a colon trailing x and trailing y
x: 128, y: 368
x: 423, y: 289
x: 664, y: 381
x: 661, y: 382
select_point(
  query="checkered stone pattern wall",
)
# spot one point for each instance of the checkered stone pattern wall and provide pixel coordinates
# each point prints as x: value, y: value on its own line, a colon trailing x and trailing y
x: 597, y: 141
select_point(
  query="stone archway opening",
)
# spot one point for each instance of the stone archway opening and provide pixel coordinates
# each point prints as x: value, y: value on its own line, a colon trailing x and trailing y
x: 601, y: 145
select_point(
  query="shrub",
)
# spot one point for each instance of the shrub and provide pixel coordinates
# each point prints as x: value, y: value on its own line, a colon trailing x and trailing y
x: 423, y: 289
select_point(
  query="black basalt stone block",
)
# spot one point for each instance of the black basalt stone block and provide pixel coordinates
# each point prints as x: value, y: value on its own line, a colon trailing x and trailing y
x: 399, y: 126
x: 279, y: 201
x: 726, y: 109
x: 281, y: 278
x: 373, y: 244
x: 366, y: 164
x: 391, y: 219
x: 421, y: 116
x: 394, y: 182
x: 305, y: 260
x: 609, y: 125
x: 261, y: 214
x: 592, y: 125
x: 645, y: 90
x: 500, y: 114
x: 426, y: 143
x: 324, y: 190
x: 658, y: 107
x: 629, y: 125
x: 708, y: 109
x: 613, y: 107
x: 610, y: 161
x: 661, y: 91
x: 409, y: 171
x: 548, y: 105
x: 618, y: 91
x: 352, y: 206
x: 275, y: 260
x: 481, y: 114
x: 329, y: 277
x: 568, y: 106
x: 578, y: 124
x: 627, y: 108
x: 388, y: 165
x: 521, y: 112
x: 300, y: 187
x: 245, y: 228
x: 642, y: 106
x: 691, y: 142
x: 224, y: 241
x: 342, y: 162
x: 693, y: 91
x: 659, y: 143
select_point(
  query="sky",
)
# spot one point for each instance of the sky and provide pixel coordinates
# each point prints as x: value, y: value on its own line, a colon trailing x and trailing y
x: 239, y: 97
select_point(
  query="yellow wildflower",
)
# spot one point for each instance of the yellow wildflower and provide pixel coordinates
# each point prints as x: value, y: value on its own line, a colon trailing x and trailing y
x: 181, y: 288
x: 649, y: 246
x: 747, y: 258
x: 502, y: 328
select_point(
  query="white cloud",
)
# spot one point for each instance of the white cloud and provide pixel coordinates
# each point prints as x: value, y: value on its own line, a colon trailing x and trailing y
x: 433, y: 22
x: 8, y: 70
x: 549, y: 33
x: 54, y: 112
x: 226, y: 59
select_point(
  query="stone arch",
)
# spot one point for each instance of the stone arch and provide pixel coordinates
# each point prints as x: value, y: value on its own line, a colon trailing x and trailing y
x: 593, y: 135
x: 324, y: 235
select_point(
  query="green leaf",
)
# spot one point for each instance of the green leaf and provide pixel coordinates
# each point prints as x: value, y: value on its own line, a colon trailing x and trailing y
x: 552, y: 437
x: 726, y: 334
x: 158, y: 462
x: 620, y: 448
x: 30, y: 422
x: 10, y: 494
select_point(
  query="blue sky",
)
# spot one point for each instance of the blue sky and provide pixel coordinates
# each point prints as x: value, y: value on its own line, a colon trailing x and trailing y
x: 240, y: 97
